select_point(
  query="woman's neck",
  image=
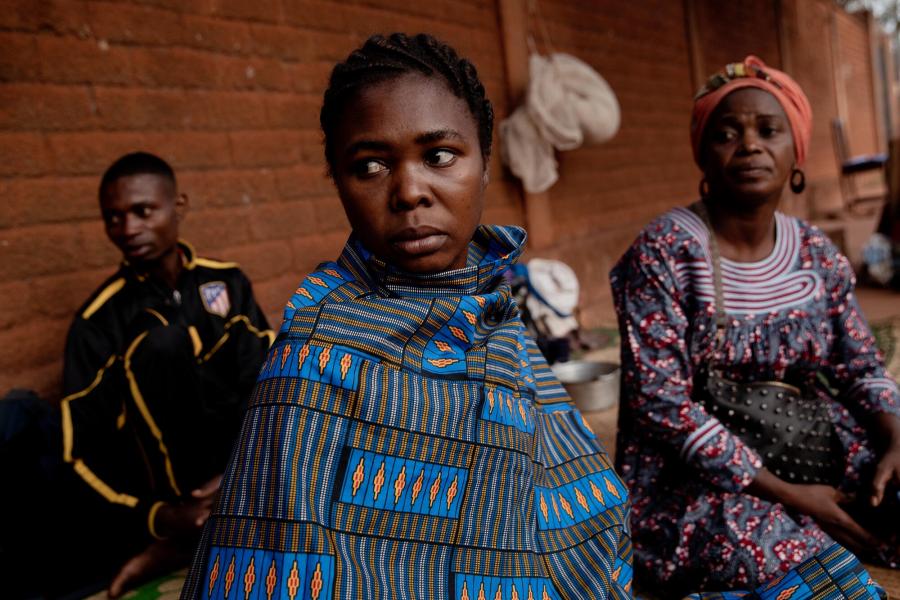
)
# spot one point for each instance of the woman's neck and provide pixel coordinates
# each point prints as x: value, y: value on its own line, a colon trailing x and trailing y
x: 745, y: 233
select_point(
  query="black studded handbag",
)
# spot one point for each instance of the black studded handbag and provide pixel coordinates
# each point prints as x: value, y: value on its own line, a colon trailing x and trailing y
x: 790, y: 430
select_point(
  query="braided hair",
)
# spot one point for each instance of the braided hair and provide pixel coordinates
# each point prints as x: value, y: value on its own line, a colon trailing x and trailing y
x: 381, y: 58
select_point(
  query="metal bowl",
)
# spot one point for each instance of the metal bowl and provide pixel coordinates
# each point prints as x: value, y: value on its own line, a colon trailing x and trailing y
x: 593, y: 385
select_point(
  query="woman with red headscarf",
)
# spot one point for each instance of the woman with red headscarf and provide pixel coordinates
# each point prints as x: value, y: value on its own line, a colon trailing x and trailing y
x: 758, y: 425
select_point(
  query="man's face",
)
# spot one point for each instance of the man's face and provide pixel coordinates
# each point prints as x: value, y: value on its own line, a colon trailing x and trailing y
x: 141, y: 213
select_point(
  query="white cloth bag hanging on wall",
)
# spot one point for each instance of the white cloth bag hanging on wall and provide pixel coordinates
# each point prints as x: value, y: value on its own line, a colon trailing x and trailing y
x: 567, y: 105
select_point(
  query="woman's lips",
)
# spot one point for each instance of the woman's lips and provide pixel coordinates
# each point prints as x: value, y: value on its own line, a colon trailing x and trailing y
x: 751, y: 171
x: 419, y: 240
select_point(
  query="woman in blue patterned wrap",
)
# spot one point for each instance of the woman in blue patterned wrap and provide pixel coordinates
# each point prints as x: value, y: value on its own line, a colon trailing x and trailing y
x: 405, y: 438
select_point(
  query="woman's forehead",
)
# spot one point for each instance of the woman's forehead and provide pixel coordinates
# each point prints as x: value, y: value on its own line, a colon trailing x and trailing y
x: 405, y: 108
x: 751, y: 101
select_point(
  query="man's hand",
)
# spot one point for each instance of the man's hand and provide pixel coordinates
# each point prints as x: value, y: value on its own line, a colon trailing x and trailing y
x: 158, y: 558
x: 186, y: 518
x: 180, y: 524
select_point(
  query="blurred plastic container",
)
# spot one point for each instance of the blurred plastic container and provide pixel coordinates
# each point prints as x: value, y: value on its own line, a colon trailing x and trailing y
x: 593, y: 385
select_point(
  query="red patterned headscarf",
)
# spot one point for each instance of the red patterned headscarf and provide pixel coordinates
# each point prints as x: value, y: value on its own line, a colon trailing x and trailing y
x: 753, y: 72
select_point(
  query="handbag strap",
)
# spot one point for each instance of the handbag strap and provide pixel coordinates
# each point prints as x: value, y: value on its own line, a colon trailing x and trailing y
x: 720, y: 319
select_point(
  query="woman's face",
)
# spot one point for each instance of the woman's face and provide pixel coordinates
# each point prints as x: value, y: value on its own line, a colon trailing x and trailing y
x: 409, y: 171
x: 748, y: 151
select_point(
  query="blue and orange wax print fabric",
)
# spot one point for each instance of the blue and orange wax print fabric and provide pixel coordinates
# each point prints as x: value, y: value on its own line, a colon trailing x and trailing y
x: 407, y: 440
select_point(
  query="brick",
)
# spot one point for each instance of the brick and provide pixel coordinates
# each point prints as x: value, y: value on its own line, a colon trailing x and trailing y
x: 31, y: 343
x: 23, y: 154
x: 60, y: 296
x: 95, y: 249
x: 289, y: 111
x: 249, y: 10
x: 90, y: 153
x: 37, y: 107
x: 226, y: 110
x: 126, y: 24
x: 263, y: 260
x: 177, y: 67
x: 190, y: 149
x: 19, y: 60
x: 311, y: 149
x: 503, y: 215
x: 55, y: 16
x: 218, y: 35
x: 308, y: 13
x: 282, y: 220
x: 194, y: 185
x: 273, y: 294
x: 217, y: 228
x: 280, y: 41
x: 297, y: 44
x: 15, y: 303
x: 503, y: 194
x: 446, y: 10
x: 70, y: 60
x: 307, y: 143
x: 45, y: 380
x: 40, y: 250
x: 329, y: 214
x: 217, y: 189
x: 200, y: 7
x: 136, y: 108
x: 48, y: 200
x: 265, y: 148
x: 303, y: 180
x: 310, y: 78
x: 310, y: 251
x: 258, y: 74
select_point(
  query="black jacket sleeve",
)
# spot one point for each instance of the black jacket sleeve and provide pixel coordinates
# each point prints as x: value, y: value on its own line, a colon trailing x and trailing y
x: 96, y: 440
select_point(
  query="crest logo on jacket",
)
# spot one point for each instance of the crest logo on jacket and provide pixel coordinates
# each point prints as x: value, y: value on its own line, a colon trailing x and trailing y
x: 215, y: 298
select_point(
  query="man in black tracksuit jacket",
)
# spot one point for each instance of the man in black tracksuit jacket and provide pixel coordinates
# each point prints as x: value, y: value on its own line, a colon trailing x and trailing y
x: 159, y: 363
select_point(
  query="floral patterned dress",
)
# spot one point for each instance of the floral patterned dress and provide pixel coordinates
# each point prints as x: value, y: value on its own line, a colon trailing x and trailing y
x: 791, y: 315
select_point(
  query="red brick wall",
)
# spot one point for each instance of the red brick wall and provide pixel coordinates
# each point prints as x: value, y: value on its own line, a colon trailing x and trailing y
x: 606, y: 193
x: 855, y: 76
x: 228, y: 91
x: 813, y: 68
x: 830, y: 59
x: 729, y: 31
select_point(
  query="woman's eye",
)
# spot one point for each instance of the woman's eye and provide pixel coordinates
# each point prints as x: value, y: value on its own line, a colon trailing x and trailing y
x: 365, y: 168
x: 440, y: 158
x: 723, y: 136
x: 144, y: 212
x: 767, y: 131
